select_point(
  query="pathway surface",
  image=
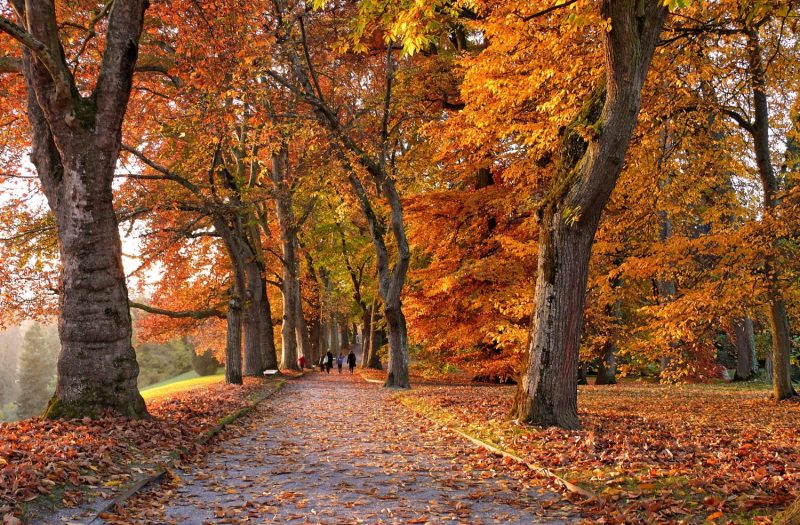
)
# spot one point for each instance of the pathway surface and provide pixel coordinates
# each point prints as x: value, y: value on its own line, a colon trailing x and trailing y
x: 334, y: 449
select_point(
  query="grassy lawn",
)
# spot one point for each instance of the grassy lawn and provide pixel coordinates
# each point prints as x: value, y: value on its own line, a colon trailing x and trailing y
x: 181, y: 383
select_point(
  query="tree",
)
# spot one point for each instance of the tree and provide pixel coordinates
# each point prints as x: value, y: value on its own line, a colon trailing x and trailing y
x: 37, y: 370
x: 75, y: 146
x: 591, y: 154
x: 305, y: 85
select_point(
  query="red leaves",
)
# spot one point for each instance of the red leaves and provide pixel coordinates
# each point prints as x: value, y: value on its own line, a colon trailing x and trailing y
x: 37, y: 455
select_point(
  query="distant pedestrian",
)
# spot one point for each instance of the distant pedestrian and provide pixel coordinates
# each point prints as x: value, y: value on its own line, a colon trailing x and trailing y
x: 351, y: 360
x: 340, y: 362
x: 301, y: 362
x: 328, y: 361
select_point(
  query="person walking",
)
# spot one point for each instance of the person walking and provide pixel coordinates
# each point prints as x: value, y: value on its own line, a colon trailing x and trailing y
x: 301, y: 362
x: 351, y: 360
x: 340, y: 362
x: 328, y: 361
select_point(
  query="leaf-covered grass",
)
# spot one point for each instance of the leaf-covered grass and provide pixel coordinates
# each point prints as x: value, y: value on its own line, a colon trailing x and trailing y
x: 177, y: 386
x: 654, y: 453
x: 40, y: 457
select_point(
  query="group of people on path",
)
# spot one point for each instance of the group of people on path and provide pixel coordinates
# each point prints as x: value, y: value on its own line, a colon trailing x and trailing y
x: 326, y: 361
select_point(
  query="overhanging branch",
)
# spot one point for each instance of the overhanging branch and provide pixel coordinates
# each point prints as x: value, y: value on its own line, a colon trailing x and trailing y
x: 184, y: 314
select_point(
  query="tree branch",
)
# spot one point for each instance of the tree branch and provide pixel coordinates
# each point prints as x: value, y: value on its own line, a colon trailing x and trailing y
x: 56, y: 68
x: 184, y: 314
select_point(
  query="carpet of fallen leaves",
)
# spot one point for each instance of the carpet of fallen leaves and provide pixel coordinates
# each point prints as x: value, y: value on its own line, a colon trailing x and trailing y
x: 654, y: 454
x: 336, y: 450
x: 59, y: 459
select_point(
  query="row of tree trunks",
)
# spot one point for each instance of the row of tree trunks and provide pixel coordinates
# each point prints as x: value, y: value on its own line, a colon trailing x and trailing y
x: 391, y: 278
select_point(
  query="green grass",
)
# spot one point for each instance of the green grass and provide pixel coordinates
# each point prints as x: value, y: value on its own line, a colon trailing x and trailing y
x: 181, y: 383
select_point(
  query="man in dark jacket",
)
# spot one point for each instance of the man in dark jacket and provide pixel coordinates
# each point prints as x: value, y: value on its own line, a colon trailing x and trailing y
x: 328, y: 361
x: 351, y: 360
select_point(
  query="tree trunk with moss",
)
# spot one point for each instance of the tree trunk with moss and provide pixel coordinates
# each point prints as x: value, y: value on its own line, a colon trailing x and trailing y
x: 586, y: 174
x: 75, y: 147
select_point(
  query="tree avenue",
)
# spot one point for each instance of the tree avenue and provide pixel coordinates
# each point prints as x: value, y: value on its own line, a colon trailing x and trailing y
x: 526, y: 192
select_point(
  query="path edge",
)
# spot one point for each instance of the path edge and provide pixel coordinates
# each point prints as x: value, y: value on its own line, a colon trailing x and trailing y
x: 207, y: 436
x: 495, y: 449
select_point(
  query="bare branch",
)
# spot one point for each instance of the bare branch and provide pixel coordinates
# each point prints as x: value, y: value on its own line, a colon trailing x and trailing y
x: 181, y: 314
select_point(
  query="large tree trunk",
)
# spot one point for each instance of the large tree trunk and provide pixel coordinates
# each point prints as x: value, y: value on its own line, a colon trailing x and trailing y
x: 373, y: 343
x: 253, y: 321
x: 397, y: 369
x: 233, y: 343
x: 607, y: 369
x: 75, y: 147
x: 97, y: 366
x: 301, y: 330
x: 778, y: 317
x: 547, y: 394
x: 366, y: 327
x: 781, y: 351
x: 268, y: 351
x: 333, y: 334
x: 289, y: 329
x: 744, y: 341
x: 291, y: 284
x: 316, y: 341
x: 344, y: 334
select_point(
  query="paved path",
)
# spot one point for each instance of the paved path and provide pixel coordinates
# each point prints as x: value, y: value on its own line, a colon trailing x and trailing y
x: 334, y: 449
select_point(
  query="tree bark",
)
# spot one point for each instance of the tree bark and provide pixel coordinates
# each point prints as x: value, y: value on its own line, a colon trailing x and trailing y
x: 583, y: 374
x: 75, y: 146
x: 301, y: 328
x: 344, y: 334
x: 586, y: 175
x: 607, y: 369
x: 776, y: 312
x: 233, y: 343
x: 744, y: 341
x: 366, y: 327
x: 371, y: 357
x: 316, y: 341
x: 253, y: 323
x: 291, y: 285
x: 333, y: 334
x: 268, y: 350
